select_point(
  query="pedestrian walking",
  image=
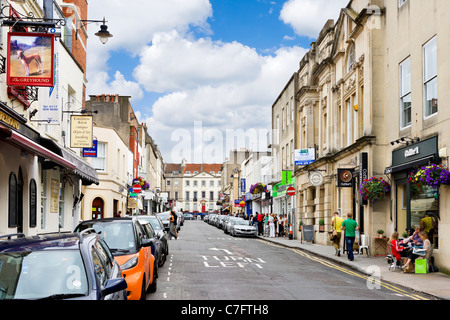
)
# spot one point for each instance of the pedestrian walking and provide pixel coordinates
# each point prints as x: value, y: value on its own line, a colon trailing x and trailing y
x: 173, y: 226
x: 349, y: 226
x: 336, y: 224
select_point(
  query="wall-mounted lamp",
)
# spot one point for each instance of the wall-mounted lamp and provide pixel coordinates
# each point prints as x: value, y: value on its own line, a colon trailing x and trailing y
x: 406, y: 141
x: 103, y: 33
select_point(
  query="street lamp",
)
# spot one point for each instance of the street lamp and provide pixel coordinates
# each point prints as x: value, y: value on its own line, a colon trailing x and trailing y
x: 103, y: 33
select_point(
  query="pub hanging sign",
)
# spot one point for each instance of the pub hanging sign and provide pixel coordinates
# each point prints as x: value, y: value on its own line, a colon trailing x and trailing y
x: 30, y: 59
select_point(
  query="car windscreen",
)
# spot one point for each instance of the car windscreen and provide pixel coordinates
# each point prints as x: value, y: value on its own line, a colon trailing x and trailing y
x: 42, y: 274
x: 241, y: 222
x: 119, y: 236
x: 155, y: 224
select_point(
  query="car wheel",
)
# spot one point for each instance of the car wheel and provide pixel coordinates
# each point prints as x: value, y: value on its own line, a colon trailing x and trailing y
x: 162, y: 261
x: 153, y: 286
x: 143, y: 290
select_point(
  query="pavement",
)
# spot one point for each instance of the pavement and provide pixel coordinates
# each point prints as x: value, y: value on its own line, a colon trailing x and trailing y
x: 434, y: 284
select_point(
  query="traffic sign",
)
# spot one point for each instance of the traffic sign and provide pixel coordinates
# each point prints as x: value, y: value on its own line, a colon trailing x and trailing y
x: 290, y: 191
x: 137, y: 188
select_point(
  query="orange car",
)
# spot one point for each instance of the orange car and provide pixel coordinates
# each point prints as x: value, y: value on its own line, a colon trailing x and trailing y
x: 131, y: 249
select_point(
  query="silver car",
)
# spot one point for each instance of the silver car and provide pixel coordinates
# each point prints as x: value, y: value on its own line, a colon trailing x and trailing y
x: 242, y: 228
x: 228, y: 223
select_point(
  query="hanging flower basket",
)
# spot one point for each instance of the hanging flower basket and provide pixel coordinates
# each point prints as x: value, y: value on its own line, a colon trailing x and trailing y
x: 258, y: 188
x: 433, y: 176
x: 374, y: 189
x: 144, y: 184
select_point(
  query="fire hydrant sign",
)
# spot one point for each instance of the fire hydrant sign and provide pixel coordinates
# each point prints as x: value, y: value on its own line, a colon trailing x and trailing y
x: 81, y: 135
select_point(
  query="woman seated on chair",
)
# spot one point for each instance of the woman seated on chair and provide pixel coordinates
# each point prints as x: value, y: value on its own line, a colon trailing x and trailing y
x: 397, y: 251
x: 414, y: 239
x: 426, y: 245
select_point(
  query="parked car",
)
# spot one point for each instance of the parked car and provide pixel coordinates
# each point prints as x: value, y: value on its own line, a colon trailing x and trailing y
x: 211, y: 218
x: 219, y: 221
x: 131, y: 249
x: 188, y: 216
x: 157, y: 244
x: 158, y: 228
x: 70, y: 266
x: 242, y: 228
x: 229, y: 222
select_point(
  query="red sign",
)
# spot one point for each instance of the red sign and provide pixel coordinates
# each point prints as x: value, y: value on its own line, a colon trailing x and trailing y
x: 30, y: 60
x: 290, y: 191
x: 137, y: 188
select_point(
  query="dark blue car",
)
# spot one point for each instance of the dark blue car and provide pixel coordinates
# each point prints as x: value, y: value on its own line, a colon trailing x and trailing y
x: 59, y: 266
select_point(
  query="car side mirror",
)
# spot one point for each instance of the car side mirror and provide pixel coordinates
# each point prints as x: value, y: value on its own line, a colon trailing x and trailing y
x: 147, y: 242
x: 114, y: 285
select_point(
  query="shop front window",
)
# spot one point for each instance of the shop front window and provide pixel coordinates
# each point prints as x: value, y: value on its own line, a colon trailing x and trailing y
x: 425, y: 212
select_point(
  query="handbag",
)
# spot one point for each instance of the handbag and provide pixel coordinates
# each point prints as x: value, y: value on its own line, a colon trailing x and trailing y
x: 333, y: 234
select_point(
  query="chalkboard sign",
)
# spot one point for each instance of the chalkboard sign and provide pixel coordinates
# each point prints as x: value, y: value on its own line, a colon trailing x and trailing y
x: 308, y: 233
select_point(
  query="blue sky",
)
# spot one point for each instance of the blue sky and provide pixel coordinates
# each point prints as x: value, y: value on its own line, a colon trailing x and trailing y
x: 217, y: 63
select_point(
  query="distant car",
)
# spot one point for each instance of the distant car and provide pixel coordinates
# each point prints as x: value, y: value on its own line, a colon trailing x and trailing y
x: 158, y: 228
x: 131, y: 249
x: 70, y: 266
x: 242, y: 228
x: 188, y: 216
x: 229, y: 222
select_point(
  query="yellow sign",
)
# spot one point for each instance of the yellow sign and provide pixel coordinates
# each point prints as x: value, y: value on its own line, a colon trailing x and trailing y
x: 9, y: 121
x: 81, y: 134
x: 132, y: 203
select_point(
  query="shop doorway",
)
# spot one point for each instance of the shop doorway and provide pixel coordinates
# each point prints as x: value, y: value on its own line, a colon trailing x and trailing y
x: 402, y: 223
x: 97, y: 208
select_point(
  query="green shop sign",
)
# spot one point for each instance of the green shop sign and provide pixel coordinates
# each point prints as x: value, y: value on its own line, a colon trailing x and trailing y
x: 286, y: 181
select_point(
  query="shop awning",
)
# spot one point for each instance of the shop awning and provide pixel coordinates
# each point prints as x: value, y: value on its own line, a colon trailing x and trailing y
x: 82, y: 168
x: 19, y: 140
x: 408, y: 165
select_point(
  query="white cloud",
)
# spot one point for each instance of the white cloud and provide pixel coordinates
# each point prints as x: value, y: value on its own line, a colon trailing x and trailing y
x: 174, y: 62
x: 307, y: 17
x: 133, y: 27
x: 241, y: 101
x: 224, y: 87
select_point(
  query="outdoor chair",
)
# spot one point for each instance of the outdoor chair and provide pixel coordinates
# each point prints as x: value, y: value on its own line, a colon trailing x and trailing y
x: 391, y: 259
x: 364, y: 245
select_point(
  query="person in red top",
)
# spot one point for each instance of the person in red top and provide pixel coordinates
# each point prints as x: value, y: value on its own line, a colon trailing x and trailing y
x: 396, y: 249
x: 260, y: 224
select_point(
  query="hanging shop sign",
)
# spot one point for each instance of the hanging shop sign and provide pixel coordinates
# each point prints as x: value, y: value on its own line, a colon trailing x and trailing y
x: 81, y: 135
x: 345, y: 178
x: 91, y: 152
x: 303, y: 157
x: 315, y: 178
x: 30, y: 59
